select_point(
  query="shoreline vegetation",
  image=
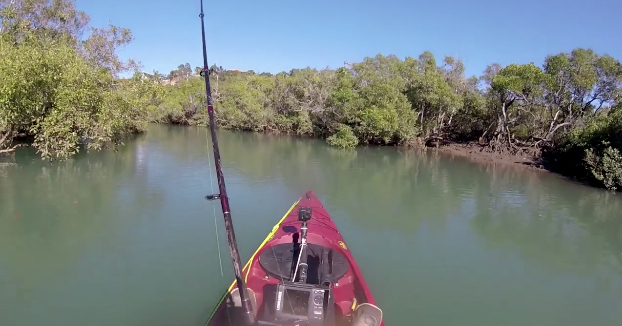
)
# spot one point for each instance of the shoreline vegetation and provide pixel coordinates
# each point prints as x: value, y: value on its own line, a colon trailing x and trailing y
x: 64, y: 93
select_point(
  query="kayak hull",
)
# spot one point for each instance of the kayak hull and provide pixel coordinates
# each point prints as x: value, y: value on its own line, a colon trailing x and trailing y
x: 271, y: 261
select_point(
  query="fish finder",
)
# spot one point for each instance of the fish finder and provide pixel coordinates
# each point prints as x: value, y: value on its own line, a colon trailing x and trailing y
x: 301, y: 302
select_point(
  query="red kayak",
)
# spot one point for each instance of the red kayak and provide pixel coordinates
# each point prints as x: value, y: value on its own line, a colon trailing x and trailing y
x: 303, y: 273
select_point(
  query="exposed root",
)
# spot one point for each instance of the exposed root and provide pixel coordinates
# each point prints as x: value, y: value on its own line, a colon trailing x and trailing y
x: 6, y: 141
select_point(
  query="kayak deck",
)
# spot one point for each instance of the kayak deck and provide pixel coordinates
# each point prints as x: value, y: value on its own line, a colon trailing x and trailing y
x: 275, y: 260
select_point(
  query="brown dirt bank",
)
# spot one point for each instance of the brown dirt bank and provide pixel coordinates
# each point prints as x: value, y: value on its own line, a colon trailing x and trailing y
x: 532, y: 160
x: 474, y: 151
x: 478, y: 153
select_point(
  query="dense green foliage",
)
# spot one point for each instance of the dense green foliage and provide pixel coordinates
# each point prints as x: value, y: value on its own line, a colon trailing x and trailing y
x: 62, y: 91
x: 567, y: 111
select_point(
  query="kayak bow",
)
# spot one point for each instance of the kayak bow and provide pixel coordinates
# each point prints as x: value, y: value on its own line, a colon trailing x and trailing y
x: 295, y: 278
x: 302, y: 274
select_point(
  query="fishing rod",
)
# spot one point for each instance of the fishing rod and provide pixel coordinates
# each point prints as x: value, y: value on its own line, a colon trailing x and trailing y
x: 224, y: 200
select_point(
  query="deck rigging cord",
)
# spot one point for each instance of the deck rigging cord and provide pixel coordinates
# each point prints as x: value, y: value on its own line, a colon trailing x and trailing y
x: 303, y: 244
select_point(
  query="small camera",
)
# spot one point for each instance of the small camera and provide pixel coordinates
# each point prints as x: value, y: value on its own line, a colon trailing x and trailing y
x: 304, y: 214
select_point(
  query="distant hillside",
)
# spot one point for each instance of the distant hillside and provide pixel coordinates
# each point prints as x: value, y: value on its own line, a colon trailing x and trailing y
x: 184, y: 72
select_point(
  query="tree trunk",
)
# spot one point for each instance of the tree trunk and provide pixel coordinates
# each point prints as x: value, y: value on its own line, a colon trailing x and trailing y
x: 6, y: 140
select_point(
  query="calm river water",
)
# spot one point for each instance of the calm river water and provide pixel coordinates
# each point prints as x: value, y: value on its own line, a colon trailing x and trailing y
x: 126, y: 238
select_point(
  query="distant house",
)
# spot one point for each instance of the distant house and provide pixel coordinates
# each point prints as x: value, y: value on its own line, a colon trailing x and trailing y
x: 170, y: 81
x: 145, y: 75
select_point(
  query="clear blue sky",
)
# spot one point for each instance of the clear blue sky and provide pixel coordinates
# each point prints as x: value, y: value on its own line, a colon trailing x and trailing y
x: 273, y: 36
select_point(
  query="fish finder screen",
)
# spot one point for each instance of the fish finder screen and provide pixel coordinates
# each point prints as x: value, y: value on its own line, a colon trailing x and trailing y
x: 296, y: 302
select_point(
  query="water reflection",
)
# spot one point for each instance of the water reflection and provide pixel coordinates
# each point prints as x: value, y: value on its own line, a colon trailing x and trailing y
x: 415, y: 213
x: 544, y: 217
x: 559, y: 224
x: 53, y: 214
x: 484, y: 244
